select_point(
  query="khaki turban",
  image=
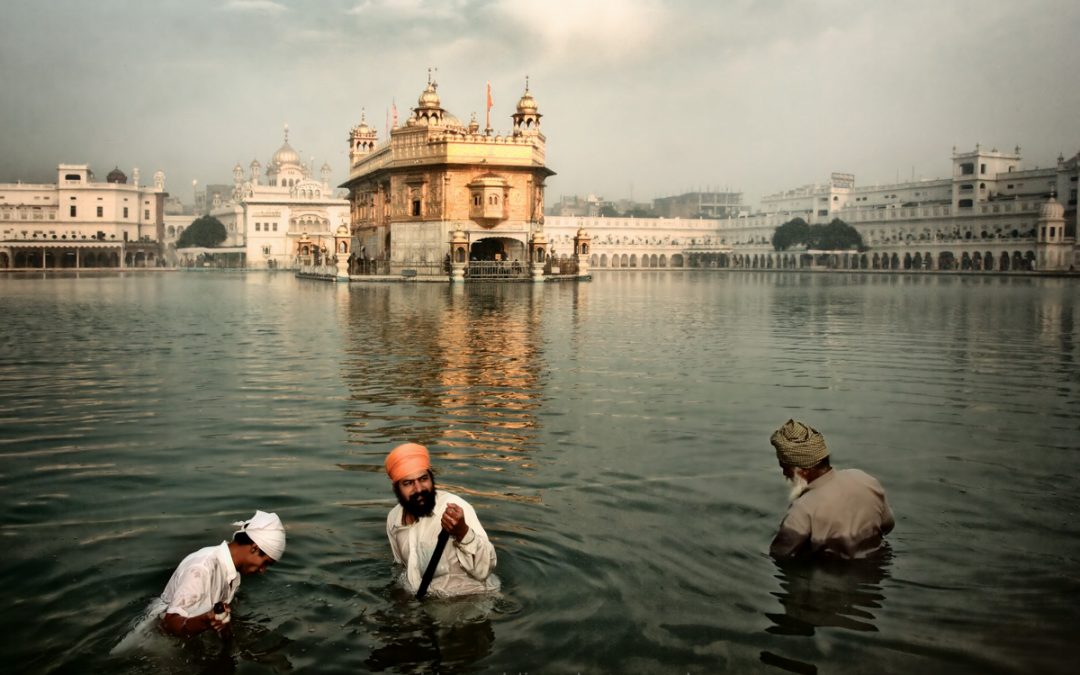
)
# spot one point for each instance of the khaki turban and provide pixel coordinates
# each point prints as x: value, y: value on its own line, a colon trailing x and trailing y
x: 799, y: 445
x: 406, y: 460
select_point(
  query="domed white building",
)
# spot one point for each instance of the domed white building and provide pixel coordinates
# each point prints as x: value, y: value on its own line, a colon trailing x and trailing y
x: 284, y: 217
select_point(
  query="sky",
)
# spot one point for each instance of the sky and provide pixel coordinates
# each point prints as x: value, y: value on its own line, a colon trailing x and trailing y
x: 640, y: 98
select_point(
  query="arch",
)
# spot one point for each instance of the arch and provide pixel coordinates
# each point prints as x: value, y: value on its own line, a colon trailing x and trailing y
x: 5, y: 260
x: 615, y: 260
x: 1029, y: 261
x: 907, y: 261
x: 663, y: 260
x: 633, y: 260
x: 677, y: 260
x: 624, y: 261
x: 653, y: 261
x: 916, y: 261
x: 1003, y: 263
x: 988, y: 261
x: 603, y: 260
x: 946, y: 260
x: 593, y: 260
x: 644, y: 260
x: 876, y: 262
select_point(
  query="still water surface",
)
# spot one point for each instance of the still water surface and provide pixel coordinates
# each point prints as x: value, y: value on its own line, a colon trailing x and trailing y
x: 613, y: 437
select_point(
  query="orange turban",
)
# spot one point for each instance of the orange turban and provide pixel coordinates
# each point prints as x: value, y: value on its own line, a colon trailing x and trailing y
x: 407, y: 459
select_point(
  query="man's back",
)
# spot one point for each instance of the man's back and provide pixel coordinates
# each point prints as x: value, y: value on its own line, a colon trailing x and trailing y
x: 842, y: 513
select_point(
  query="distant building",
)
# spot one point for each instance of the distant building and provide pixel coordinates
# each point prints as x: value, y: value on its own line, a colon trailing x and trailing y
x: 990, y: 214
x: 699, y: 205
x: 576, y: 205
x: 438, y: 179
x: 284, y: 219
x: 80, y: 223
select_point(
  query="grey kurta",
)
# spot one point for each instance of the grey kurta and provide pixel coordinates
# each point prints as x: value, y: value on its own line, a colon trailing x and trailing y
x: 842, y: 513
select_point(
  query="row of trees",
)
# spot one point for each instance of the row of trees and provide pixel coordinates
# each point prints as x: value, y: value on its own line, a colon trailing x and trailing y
x: 836, y: 236
x: 205, y: 232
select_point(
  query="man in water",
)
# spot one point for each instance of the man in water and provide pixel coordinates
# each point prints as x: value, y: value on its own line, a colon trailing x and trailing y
x: 834, y: 513
x: 413, y: 528
x: 210, y: 576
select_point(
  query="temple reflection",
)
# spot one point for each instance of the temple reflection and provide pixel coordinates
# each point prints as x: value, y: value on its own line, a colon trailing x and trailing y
x: 460, y: 370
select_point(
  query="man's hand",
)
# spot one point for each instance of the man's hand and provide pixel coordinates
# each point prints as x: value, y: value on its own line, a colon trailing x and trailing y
x: 221, y: 625
x: 453, y: 521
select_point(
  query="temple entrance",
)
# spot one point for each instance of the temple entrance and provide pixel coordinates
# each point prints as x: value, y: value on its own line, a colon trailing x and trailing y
x: 498, y: 248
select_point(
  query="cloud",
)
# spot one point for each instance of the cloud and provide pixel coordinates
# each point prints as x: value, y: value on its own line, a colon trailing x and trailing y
x: 258, y: 6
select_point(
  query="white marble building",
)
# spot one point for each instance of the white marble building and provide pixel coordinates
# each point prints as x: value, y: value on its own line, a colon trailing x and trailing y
x: 81, y: 223
x: 285, y: 218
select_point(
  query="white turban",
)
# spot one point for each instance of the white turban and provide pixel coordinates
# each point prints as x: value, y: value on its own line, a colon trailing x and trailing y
x: 266, y: 530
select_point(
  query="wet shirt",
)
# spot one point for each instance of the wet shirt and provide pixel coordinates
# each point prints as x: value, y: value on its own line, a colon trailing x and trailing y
x: 205, y: 577
x: 465, y: 567
x: 842, y: 513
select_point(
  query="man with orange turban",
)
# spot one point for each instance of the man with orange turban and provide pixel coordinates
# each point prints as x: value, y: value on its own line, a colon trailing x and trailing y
x: 835, y: 513
x: 413, y: 529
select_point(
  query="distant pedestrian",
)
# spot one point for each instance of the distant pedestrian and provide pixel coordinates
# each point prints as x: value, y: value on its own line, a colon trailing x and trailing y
x: 834, y: 513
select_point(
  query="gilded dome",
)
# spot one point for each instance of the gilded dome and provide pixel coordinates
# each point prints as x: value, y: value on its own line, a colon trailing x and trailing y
x: 527, y: 104
x: 285, y: 155
x: 430, y: 98
x: 1051, y: 210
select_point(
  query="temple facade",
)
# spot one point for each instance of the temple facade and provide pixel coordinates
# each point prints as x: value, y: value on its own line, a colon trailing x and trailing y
x: 440, y: 193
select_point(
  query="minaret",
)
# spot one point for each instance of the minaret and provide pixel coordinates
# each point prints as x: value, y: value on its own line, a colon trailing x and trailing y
x: 255, y: 168
x: 325, y: 172
x: 527, y: 117
x: 1052, y: 252
x: 361, y: 140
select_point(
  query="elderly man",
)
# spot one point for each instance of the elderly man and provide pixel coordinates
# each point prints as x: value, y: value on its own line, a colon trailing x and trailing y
x: 198, y: 595
x: 834, y: 513
x: 413, y: 529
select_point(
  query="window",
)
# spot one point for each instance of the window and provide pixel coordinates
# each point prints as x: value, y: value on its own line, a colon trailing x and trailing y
x: 72, y: 176
x: 967, y: 168
x: 125, y: 212
x: 965, y: 204
x: 982, y: 168
x: 257, y: 226
x: 275, y: 227
x: 101, y: 212
x: 146, y: 214
x: 416, y: 207
x: 72, y: 211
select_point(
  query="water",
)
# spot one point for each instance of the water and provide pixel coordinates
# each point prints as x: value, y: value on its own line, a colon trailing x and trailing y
x: 613, y: 437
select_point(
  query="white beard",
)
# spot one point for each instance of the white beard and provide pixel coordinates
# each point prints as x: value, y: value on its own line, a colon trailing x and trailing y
x: 797, y: 486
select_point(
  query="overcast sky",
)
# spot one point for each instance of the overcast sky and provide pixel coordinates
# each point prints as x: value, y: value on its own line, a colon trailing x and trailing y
x: 640, y: 98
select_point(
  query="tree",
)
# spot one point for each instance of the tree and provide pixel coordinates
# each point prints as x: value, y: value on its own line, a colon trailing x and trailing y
x: 608, y: 211
x: 206, y: 232
x: 835, y: 236
x: 794, y: 232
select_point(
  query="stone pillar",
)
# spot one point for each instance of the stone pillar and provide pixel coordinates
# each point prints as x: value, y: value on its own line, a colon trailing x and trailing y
x: 537, y: 254
x: 582, y: 247
x: 341, y: 250
x: 459, y: 255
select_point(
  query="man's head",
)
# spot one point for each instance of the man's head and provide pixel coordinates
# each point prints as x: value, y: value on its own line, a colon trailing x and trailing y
x: 409, y: 467
x: 802, y: 454
x: 259, y: 543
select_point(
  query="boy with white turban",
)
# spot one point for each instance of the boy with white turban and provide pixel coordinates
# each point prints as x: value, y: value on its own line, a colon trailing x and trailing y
x: 837, y: 513
x: 211, y: 575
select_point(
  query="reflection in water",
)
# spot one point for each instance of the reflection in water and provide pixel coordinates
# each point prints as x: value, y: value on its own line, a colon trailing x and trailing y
x: 440, y: 635
x: 830, y: 593
x: 826, y: 593
x: 461, y: 374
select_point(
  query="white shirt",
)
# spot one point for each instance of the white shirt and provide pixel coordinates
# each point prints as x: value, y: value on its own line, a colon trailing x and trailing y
x: 204, y: 578
x: 465, y: 567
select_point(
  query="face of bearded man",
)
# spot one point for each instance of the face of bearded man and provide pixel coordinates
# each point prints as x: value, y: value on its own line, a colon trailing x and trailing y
x: 420, y: 504
x: 796, y: 485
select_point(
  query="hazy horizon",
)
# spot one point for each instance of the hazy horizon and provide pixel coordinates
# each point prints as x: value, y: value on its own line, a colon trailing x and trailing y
x: 641, y: 99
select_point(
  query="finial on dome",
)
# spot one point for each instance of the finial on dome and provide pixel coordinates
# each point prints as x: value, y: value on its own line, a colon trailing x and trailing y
x: 526, y: 83
x: 286, y: 132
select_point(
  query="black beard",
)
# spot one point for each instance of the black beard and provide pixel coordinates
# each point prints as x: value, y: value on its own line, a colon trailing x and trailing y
x: 420, y: 505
